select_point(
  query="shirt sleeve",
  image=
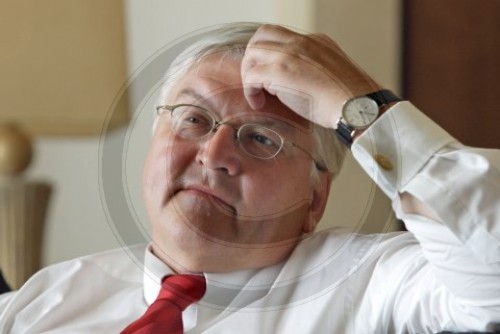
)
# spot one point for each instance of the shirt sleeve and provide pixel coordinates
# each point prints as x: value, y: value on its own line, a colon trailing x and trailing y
x: 404, y: 151
x: 4, y: 299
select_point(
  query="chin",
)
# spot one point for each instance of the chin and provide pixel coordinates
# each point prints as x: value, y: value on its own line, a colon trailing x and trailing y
x: 190, y: 253
x: 217, y: 258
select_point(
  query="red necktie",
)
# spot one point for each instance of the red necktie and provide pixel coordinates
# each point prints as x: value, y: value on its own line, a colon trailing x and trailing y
x: 165, y: 314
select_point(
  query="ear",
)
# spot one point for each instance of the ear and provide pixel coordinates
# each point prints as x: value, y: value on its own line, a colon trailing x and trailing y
x: 320, y: 191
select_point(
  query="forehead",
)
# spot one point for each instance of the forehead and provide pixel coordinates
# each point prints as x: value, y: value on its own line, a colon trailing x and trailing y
x: 215, y: 83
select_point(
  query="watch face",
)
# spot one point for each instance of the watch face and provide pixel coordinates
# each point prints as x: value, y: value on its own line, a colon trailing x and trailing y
x: 360, y: 112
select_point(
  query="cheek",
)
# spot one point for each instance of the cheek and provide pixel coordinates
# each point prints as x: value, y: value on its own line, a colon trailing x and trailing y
x: 277, y: 192
x: 153, y: 177
x: 165, y: 163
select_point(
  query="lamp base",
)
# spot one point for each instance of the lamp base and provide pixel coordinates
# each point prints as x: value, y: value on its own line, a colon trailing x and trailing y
x: 23, y: 207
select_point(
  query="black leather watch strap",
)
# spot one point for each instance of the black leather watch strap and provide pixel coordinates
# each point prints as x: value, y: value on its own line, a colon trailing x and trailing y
x: 383, y: 97
x: 344, y: 133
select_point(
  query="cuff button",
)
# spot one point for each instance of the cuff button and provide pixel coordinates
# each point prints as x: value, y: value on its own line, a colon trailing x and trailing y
x: 383, y: 162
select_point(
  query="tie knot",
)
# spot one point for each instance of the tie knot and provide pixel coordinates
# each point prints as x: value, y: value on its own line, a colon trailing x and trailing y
x: 182, y: 290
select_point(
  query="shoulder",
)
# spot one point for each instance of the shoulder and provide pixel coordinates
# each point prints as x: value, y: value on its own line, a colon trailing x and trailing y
x: 339, y: 247
x: 339, y: 237
x: 105, y: 270
x: 75, y: 289
x: 121, y: 263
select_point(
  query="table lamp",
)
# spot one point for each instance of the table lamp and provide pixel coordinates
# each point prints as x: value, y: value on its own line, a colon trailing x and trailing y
x: 62, y: 66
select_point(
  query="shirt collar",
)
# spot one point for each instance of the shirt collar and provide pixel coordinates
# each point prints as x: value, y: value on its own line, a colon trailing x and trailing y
x: 233, y: 288
x: 154, y: 271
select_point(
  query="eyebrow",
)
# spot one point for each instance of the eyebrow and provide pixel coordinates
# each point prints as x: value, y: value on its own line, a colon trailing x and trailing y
x: 275, y: 122
x: 190, y: 92
x: 268, y: 121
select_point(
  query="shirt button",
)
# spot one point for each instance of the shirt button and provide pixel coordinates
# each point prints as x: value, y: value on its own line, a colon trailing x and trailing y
x: 383, y: 162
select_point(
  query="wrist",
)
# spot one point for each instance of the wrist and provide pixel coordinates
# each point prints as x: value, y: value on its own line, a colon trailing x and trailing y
x: 359, y: 112
x: 382, y: 110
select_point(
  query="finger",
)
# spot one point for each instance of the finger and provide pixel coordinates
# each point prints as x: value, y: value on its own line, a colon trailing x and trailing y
x: 253, y: 78
x: 256, y: 81
x: 269, y: 32
x: 255, y: 96
x: 324, y: 39
x: 253, y: 93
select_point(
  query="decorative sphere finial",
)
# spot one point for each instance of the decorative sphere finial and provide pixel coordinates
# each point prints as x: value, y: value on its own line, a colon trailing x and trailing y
x: 15, y: 150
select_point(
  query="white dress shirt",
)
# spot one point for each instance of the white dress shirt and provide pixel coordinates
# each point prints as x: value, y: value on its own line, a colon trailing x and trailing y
x: 442, y: 275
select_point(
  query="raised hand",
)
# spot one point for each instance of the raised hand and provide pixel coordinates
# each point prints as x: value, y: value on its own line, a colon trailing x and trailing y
x: 308, y: 73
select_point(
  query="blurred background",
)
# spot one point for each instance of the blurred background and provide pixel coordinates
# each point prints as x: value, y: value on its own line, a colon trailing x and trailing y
x: 70, y: 73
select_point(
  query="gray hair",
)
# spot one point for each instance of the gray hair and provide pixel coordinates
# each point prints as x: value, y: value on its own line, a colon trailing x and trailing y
x: 231, y: 41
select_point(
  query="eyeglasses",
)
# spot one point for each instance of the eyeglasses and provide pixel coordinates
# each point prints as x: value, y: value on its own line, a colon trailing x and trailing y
x: 195, y: 122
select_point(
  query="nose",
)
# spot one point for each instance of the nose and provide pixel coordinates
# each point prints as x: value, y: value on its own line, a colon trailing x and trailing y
x: 219, y: 152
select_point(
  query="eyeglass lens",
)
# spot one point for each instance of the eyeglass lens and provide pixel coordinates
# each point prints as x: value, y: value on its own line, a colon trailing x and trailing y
x: 193, y: 122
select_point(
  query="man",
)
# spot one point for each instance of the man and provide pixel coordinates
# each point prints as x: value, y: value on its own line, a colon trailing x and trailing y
x: 237, y: 178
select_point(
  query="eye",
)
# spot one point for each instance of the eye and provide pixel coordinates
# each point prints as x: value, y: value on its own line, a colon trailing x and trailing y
x: 263, y: 139
x: 259, y: 141
x: 191, y: 121
x: 192, y: 115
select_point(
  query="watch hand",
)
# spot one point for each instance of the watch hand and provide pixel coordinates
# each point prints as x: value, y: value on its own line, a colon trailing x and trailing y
x: 362, y: 114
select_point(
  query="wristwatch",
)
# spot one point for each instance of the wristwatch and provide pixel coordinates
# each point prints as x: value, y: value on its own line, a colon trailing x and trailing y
x: 360, y: 112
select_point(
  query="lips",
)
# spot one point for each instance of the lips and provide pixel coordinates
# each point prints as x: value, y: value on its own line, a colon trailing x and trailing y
x: 210, y: 194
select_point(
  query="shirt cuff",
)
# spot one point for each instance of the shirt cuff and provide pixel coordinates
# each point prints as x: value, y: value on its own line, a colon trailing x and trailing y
x: 393, y: 149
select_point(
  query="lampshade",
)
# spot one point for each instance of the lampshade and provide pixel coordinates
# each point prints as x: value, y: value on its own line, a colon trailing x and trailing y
x: 62, y: 64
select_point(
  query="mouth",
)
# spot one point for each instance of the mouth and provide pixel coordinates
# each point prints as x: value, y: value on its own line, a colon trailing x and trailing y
x: 210, y: 195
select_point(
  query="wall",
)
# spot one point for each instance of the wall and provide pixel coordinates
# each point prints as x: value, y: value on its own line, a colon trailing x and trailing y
x: 371, y: 33
x: 78, y: 223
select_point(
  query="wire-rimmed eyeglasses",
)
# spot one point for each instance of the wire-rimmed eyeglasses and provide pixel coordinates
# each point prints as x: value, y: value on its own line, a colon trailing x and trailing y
x: 195, y: 122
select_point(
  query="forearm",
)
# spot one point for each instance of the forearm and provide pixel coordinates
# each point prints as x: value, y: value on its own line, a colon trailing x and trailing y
x: 448, y: 196
x: 434, y: 176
